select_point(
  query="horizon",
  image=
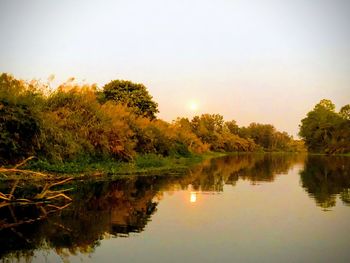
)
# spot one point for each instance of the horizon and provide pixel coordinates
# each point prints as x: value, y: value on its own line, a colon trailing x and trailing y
x: 249, y: 61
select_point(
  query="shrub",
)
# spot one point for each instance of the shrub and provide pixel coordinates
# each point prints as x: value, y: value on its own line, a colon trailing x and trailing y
x: 19, y: 119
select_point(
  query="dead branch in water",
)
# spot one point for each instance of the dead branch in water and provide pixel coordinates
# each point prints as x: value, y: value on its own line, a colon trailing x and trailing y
x: 45, y: 199
x: 23, y: 162
x: 22, y: 171
x: 45, y: 194
x: 48, y: 194
x: 14, y: 170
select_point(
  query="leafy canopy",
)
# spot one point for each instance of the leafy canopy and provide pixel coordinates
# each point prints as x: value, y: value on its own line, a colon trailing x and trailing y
x: 134, y: 95
x: 326, y: 131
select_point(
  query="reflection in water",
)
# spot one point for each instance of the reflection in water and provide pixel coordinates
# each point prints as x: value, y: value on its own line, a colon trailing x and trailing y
x: 107, y: 209
x: 193, y: 197
x: 213, y: 174
x: 326, y: 177
x: 115, y: 208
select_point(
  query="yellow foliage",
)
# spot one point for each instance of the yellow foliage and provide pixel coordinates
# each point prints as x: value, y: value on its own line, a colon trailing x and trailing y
x: 76, y: 123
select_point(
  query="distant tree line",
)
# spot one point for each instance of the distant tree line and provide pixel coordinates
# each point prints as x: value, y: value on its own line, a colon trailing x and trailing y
x: 326, y: 131
x: 118, y: 121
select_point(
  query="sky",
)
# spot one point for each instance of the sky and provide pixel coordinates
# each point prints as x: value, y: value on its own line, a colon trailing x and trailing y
x: 265, y: 61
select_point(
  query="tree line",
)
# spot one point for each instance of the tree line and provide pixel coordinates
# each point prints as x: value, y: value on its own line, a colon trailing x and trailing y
x: 118, y: 121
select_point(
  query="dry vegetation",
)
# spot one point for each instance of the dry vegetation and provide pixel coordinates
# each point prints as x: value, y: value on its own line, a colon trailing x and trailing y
x: 81, y: 123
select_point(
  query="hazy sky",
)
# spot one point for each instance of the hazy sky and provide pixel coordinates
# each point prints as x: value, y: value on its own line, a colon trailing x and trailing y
x: 265, y: 61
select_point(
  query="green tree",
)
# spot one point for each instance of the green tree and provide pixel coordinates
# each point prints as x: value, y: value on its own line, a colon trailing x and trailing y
x: 221, y: 136
x: 262, y: 134
x: 133, y: 95
x: 325, y: 104
x: 345, y: 112
x: 325, y: 130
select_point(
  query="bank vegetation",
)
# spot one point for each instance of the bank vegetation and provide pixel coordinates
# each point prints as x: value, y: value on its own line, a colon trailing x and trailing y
x: 76, y: 124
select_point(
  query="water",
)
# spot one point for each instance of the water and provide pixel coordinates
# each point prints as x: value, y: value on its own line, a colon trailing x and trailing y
x: 246, y: 208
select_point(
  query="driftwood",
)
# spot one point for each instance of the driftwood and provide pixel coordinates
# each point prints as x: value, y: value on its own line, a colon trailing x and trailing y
x: 14, y: 170
x: 45, y: 201
x: 46, y: 193
x: 22, y: 171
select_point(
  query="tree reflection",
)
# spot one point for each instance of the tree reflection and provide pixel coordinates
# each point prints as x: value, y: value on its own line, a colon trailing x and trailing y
x: 325, y: 178
x: 213, y: 174
x: 116, y: 208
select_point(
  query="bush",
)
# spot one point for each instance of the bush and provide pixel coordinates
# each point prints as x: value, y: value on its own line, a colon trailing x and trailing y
x: 76, y: 125
x: 19, y: 119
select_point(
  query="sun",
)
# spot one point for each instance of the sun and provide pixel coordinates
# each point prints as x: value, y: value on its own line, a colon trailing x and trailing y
x: 193, y: 105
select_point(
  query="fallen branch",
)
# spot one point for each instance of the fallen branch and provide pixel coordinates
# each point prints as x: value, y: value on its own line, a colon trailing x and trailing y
x: 23, y: 162
x: 45, y: 195
x: 48, y: 194
x: 59, y: 195
x: 62, y: 182
x: 15, y: 170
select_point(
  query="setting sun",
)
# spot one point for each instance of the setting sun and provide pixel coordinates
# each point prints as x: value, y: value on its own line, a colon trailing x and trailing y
x: 193, y: 105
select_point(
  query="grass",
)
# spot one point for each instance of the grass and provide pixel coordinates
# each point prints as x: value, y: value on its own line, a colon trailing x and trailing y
x: 142, y: 164
x: 344, y: 154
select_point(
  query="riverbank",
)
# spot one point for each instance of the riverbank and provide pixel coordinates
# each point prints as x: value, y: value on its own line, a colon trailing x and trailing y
x: 149, y: 164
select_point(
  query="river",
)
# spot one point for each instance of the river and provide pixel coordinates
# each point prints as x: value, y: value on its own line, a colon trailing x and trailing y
x: 241, y: 208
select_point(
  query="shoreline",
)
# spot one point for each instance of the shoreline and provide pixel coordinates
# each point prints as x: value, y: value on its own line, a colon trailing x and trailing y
x: 145, y: 165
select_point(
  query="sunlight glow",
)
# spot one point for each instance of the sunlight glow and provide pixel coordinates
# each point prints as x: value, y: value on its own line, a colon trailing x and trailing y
x: 193, y: 197
x: 193, y: 105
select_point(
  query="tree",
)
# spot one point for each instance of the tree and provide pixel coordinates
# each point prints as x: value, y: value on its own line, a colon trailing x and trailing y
x: 208, y: 127
x: 325, y: 130
x: 221, y: 136
x: 269, y: 139
x: 133, y: 95
x: 325, y: 104
x: 262, y: 134
x: 345, y: 112
x: 232, y: 127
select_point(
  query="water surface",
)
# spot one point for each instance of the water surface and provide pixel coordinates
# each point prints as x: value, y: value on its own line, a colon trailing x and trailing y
x: 244, y: 208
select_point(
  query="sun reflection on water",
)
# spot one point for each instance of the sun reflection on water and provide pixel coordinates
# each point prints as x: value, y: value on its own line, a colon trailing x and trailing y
x: 193, y: 197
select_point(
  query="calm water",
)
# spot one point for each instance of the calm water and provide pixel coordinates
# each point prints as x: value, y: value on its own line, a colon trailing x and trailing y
x: 247, y: 208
